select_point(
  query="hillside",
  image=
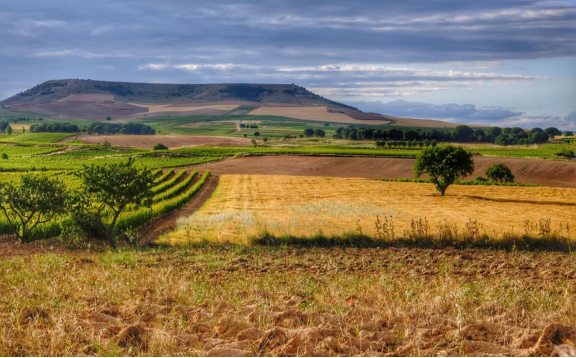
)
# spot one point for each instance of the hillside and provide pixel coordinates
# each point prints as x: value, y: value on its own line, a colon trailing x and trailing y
x: 88, y: 99
x: 56, y: 90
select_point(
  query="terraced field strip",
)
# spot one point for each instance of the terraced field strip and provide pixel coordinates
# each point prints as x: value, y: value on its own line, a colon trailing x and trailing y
x: 167, y: 223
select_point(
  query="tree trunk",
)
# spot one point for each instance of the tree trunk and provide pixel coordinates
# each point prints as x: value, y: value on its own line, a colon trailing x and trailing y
x: 110, y: 232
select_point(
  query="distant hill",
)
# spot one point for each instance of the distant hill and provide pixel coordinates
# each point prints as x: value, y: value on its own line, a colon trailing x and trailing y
x: 88, y: 99
x: 55, y: 90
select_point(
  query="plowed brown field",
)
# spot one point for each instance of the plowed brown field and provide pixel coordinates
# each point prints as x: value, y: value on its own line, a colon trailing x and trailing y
x: 532, y: 171
x: 170, y: 140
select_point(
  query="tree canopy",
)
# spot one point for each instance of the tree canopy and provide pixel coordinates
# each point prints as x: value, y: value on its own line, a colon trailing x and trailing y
x: 500, y: 173
x: 444, y: 164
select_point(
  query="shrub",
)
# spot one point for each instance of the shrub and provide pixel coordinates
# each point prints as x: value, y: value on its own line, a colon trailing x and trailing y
x: 500, y: 173
x: 160, y: 146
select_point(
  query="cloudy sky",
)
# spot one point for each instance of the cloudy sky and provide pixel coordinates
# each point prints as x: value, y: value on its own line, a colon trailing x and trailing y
x: 506, y: 62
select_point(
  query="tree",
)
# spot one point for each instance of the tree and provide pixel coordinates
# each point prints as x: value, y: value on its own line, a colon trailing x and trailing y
x: 410, y: 135
x: 9, y: 130
x: 444, y: 165
x: 256, y: 134
x: 265, y: 139
x: 500, y: 173
x: 245, y: 135
x: 254, y: 144
x: 319, y: 133
x: 4, y: 156
x: 463, y: 134
x: 34, y: 201
x: 568, y: 134
x: 108, y: 189
x: 309, y: 132
x: 108, y: 118
x: 326, y: 124
x: 160, y: 146
x: 552, y: 131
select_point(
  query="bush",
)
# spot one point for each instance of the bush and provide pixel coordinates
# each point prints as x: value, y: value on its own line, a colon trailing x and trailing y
x: 160, y: 146
x: 481, y: 179
x: 568, y: 134
x: 500, y: 173
x: 566, y: 152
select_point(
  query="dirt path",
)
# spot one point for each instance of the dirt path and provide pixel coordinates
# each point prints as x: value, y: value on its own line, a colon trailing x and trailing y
x: 165, y: 224
x: 533, y: 171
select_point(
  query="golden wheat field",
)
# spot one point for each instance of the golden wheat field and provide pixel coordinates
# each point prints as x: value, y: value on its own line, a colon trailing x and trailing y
x: 244, y: 206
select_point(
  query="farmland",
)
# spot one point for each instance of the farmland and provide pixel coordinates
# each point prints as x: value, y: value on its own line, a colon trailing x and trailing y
x: 246, y: 206
x: 291, y: 247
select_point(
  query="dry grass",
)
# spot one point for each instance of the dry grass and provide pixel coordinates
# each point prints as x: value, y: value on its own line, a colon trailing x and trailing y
x: 312, y: 114
x: 263, y: 301
x: 244, y: 206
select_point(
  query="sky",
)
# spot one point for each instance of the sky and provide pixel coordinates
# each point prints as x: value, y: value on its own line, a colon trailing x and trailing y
x: 489, y: 62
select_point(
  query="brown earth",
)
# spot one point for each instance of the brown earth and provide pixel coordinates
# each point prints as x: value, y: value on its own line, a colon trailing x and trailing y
x: 82, y: 109
x: 354, y: 113
x: 155, y: 229
x: 170, y: 140
x: 226, y: 301
x: 531, y: 171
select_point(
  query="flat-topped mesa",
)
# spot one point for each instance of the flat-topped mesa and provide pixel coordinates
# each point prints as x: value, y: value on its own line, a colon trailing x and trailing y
x: 61, y: 90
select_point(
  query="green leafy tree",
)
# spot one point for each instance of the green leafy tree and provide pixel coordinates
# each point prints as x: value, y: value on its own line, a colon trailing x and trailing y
x: 319, y: 133
x: 108, y: 118
x: 160, y: 146
x: 552, y: 132
x: 256, y: 134
x: 309, y: 132
x: 34, y: 201
x: 4, y: 156
x: 9, y: 130
x: 500, y: 173
x: 568, y: 134
x: 444, y: 165
x: 107, y: 190
x: 254, y: 144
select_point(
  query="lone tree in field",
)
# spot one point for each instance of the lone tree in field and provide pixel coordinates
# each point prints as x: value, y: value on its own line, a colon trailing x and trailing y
x: 444, y: 165
x: 34, y: 201
x: 108, y: 118
x: 160, y: 146
x: 108, y: 189
x: 309, y: 132
x: 500, y: 173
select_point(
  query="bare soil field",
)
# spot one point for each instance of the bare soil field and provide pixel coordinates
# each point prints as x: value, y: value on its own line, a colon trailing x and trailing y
x: 531, y: 171
x: 313, y: 114
x: 82, y: 109
x: 182, y: 107
x: 245, y: 206
x: 252, y: 301
x: 88, y: 97
x: 170, y: 140
x: 354, y: 114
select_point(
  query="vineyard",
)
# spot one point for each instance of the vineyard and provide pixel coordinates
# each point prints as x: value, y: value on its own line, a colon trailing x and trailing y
x: 171, y: 191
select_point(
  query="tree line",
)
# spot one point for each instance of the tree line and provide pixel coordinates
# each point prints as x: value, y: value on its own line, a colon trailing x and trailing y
x: 461, y: 134
x: 54, y: 128
x: 116, y: 128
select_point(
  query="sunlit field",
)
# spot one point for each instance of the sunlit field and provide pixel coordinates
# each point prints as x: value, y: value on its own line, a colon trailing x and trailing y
x: 245, y: 206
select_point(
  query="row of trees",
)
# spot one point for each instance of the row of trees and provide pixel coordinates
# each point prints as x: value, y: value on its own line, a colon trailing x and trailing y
x: 311, y: 132
x: 54, y: 128
x: 446, y: 164
x: 115, y: 128
x: 93, y: 210
x: 405, y: 144
x: 502, y: 136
